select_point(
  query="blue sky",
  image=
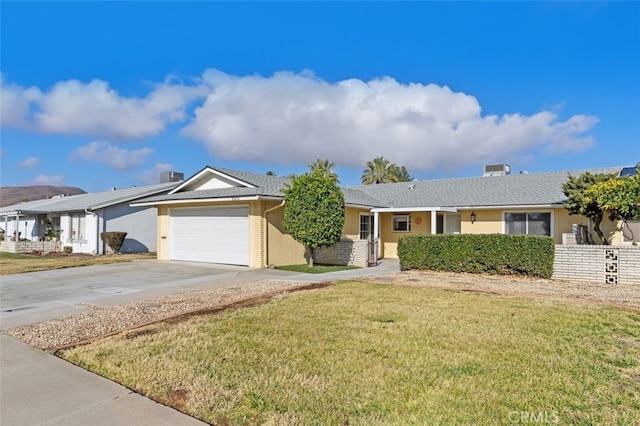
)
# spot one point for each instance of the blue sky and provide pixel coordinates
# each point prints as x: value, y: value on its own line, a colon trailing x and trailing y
x: 100, y: 95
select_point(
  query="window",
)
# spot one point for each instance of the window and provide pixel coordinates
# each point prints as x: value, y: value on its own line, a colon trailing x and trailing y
x: 77, y: 227
x: 402, y: 223
x: 528, y: 223
x: 366, y: 226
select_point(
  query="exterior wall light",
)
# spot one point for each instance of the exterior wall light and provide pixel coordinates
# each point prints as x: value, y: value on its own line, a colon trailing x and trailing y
x: 473, y: 218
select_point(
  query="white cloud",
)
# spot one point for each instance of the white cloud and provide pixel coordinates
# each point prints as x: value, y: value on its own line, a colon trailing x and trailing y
x: 54, y: 180
x: 30, y: 163
x: 296, y: 118
x: 117, y: 158
x: 291, y: 118
x: 74, y: 107
x: 16, y: 104
x: 152, y: 176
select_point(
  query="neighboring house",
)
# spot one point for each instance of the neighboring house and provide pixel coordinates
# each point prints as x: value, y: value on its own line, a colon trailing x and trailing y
x: 227, y: 216
x: 81, y: 218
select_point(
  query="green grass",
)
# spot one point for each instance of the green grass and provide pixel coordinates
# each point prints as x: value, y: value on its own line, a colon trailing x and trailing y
x: 315, y: 269
x: 11, y: 263
x: 6, y: 255
x: 370, y: 354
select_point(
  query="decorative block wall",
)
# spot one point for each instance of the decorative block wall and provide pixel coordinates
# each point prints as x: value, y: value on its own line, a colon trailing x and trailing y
x: 599, y: 264
x: 30, y: 246
x: 344, y: 252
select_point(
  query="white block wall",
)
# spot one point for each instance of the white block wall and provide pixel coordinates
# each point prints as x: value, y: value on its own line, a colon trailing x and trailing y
x: 597, y: 264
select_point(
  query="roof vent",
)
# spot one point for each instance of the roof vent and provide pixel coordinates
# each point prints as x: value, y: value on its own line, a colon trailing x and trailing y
x: 166, y: 177
x: 496, y: 170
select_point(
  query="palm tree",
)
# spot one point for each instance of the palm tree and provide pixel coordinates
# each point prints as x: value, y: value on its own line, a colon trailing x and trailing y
x: 402, y: 174
x: 381, y: 170
x: 323, y: 166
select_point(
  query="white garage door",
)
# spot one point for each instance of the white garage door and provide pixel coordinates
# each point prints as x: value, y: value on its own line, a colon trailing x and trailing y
x: 216, y: 235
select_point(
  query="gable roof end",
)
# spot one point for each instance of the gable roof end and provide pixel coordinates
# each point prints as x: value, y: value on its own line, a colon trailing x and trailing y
x: 208, y: 170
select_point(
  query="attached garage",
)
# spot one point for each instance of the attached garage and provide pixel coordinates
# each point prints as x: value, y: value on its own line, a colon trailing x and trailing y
x: 210, y: 234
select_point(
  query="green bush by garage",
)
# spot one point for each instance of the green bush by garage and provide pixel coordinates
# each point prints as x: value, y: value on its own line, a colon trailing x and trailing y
x: 474, y: 253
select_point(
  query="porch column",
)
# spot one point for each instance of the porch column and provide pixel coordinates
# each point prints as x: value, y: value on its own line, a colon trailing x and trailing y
x: 434, y: 221
x: 376, y: 230
x: 6, y: 227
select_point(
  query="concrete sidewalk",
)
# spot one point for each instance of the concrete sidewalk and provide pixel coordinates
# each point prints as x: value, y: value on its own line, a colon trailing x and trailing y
x: 37, y: 388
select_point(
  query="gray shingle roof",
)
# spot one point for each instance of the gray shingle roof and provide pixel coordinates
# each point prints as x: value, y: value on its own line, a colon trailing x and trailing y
x: 272, y: 184
x: 90, y: 201
x: 267, y: 186
x: 511, y: 190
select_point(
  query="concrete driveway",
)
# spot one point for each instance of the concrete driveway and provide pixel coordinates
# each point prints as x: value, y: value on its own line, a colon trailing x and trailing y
x: 38, y: 296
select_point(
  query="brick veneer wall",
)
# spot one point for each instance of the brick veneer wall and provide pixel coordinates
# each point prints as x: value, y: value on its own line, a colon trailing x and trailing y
x: 599, y: 264
x: 344, y: 252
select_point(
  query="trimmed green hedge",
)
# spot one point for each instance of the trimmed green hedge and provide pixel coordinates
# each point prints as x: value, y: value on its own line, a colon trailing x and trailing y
x: 479, y: 253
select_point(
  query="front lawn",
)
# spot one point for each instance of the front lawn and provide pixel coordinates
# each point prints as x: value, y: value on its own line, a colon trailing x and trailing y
x: 315, y: 269
x: 359, y: 353
x: 11, y: 263
x: 7, y: 255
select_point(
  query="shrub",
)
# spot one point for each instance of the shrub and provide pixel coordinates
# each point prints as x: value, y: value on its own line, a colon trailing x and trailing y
x: 68, y: 249
x: 475, y: 253
x: 113, y: 240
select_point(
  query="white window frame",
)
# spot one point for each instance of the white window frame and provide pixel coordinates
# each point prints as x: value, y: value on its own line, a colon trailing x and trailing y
x: 78, y: 227
x: 406, y: 217
x: 371, y: 230
x: 551, y: 221
x: 446, y: 229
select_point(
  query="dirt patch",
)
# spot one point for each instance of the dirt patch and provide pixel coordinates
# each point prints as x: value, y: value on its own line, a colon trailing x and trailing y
x: 178, y: 399
x: 627, y: 296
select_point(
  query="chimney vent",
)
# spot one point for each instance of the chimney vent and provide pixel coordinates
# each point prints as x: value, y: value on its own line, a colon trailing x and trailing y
x: 166, y: 177
x: 496, y: 170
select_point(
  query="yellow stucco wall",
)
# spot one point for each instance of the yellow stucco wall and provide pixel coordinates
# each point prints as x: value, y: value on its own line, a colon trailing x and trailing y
x: 420, y: 224
x: 282, y: 249
x: 491, y: 221
x: 487, y: 222
x: 163, y: 233
x: 351, y: 228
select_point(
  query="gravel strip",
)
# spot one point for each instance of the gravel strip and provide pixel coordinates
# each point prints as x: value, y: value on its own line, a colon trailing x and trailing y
x: 104, y: 320
x: 620, y: 295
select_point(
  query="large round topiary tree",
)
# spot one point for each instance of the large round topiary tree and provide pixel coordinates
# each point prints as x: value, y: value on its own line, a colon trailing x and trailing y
x: 314, y: 210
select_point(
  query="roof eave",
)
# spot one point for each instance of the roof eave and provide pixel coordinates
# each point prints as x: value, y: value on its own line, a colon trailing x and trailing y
x: 414, y: 209
x: 200, y: 200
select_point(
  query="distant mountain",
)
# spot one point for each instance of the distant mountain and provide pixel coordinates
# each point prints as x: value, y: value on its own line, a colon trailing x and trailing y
x: 14, y: 194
